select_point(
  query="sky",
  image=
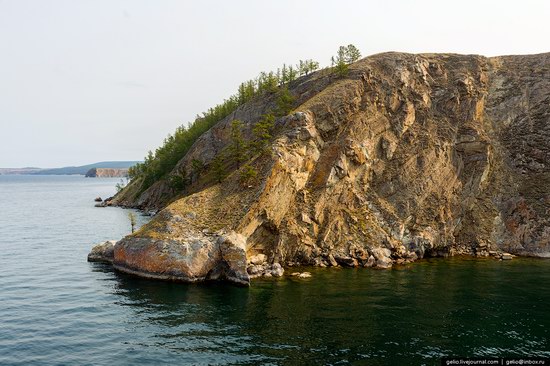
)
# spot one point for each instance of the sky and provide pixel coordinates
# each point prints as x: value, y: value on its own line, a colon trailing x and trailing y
x: 83, y: 81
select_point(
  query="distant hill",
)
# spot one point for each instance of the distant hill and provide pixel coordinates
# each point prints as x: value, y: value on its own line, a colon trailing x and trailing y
x: 83, y: 169
x: 12, y: 171
x: 69, y: 170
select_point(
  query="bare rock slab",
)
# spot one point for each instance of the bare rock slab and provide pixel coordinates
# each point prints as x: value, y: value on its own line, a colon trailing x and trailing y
x: 103, y: 252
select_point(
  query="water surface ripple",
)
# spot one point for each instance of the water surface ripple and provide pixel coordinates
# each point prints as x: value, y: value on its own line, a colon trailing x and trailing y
x: 57, y: 309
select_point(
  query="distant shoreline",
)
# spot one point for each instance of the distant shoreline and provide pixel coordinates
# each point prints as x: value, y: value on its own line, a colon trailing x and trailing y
x: 103, y: 167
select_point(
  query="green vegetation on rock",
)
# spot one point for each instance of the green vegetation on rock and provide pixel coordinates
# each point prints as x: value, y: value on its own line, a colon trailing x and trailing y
x: 263, y: 132
x: 238, y: 148
x: 248, y: 175
x: 162, y: 161
x: 345, y: 56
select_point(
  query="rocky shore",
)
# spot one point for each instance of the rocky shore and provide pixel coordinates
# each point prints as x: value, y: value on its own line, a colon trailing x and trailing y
x: 223, y: 257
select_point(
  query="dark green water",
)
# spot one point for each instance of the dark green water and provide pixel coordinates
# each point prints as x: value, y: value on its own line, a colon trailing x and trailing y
x: 57, y: 309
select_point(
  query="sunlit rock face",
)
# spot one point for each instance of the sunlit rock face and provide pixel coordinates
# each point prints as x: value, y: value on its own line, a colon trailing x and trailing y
x: 407, y: 156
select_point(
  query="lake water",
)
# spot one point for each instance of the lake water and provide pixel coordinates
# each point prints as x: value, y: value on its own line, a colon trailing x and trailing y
x: 57, y: 309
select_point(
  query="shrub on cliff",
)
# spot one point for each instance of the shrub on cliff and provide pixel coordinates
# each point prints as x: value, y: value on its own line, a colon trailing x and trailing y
x: 120, y: 185
x: 178, y: 182
x: 263, y: 132
x: 218, y: 168
x: 238, y: 148
x: 308, y: 66
x: 285, y: 102
x: 345, y: 55
x: 159, y: 163
x: 248, y: 175
x: 197, y: 167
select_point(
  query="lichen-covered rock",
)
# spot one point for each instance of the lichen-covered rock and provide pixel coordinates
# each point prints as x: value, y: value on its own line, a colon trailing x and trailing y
x: 190, y: 259
x: 102, y: 252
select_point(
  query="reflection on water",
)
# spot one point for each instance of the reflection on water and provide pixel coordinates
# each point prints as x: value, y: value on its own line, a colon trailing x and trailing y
x: 420, y: 312
x: 55, y: 308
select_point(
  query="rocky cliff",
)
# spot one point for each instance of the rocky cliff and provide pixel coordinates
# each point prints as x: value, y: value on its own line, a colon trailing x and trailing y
x: 107, y: 173
x: 407, y: 156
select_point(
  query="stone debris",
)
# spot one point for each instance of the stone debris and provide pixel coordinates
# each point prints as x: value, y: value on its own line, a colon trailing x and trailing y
x: 265, y: 270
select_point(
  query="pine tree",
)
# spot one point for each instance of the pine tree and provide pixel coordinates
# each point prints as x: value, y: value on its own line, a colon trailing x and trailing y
x: 250, y: 90
x: 339, y: 63
x: 197, y: 167
x: 285, y: 102
x: 272, y: 82
x: 307, y: 66
x: 120, y: 186
x: 302, y: 68
x: 241, y: 93
x: 237, y: 146
x: 179, y: 181
x: 292, y: 73
x: 248, y: 175
x: 352, y: 54
x: 311, y: 66
x: 262, y: 132
x: 218, y: 169
x: 267, y: 82
x: 261, y: 81
x: 284, y: 75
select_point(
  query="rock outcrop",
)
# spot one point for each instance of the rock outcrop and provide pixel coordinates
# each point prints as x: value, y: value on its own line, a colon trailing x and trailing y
x: 103, y: 252
x: 191, y: 258
x: 407, y: 156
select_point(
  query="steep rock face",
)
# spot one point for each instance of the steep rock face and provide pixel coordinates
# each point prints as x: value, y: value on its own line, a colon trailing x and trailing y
x: 408, y: 156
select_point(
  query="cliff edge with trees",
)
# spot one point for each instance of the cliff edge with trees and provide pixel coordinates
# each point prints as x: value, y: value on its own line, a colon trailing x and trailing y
x: 399, y: 157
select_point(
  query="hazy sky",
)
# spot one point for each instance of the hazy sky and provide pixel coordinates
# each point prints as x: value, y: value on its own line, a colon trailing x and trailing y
x: 85, y: 81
